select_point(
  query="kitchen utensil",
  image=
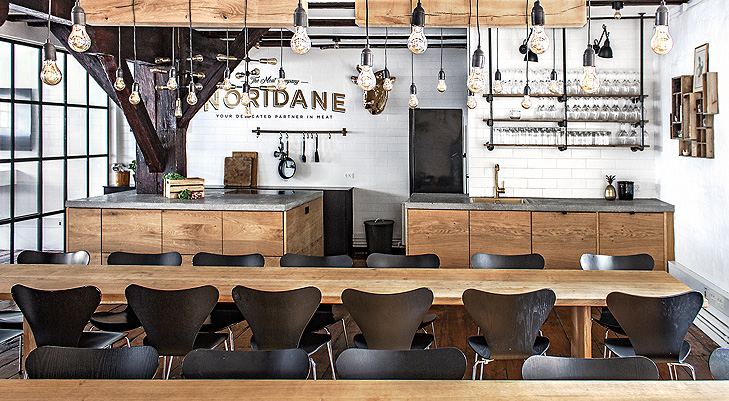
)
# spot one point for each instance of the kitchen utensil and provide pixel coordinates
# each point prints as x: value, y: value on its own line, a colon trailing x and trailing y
x: 316, y: 152
x: 286, y: 166
x: 303, y: 148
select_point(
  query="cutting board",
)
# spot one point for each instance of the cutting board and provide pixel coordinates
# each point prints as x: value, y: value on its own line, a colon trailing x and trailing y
x: 241, y: 170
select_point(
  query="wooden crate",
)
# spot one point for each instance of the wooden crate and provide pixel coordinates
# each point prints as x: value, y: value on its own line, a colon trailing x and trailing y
x: 174, y: 187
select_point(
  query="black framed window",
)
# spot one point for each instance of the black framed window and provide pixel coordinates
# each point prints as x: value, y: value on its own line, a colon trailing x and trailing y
x: 54, y: 146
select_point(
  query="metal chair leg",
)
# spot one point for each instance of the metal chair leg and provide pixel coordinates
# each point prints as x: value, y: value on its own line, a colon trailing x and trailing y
x: 20, y: 354
x: 475, y: 364
x: 313, y: 367
x: 169, y: 367
x: 331, y: 359
x: 344, y: 329
x: 164, y: 367
x: 435, y: 342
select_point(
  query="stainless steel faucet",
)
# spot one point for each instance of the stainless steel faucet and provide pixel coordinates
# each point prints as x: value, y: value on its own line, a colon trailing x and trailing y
x: 498, y: 190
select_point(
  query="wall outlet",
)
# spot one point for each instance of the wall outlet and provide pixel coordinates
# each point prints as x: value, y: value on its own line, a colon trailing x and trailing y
x: 636, y: 187
x: 714, y: 298
x: 349, y: 175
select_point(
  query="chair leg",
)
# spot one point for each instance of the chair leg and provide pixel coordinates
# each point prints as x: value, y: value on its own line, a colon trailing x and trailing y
x: 475, y: 364
x: 313, y: 367
x: 674, y: 373
x: 164, y: 367
x: 344, y: 329
x: 129, y: 345
x: 20, y: 354
x: 432, y: 328
x: 169, y: 367
x: 331, y: 359
x: 230, y: 338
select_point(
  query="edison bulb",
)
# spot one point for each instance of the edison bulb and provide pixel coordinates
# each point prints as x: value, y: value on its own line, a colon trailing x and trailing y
x: 245, y: 99
x: 172, y: 82
x: 526, y: 102
x: 134, y: 97
x: 417, y: 42
x: 618, y: 15
x: 300, y: 42
x: 280, y: 84
x: 51, y: 74
x: 662, y: 42
x: 79, y: 39
x: 590, y: 82
x: 119, y: 84
x: 538, y: 41
x: 442, y: 85
x: 249, y: 112
x: 476, y: 82
x: 554, y: 86
x: 178, y: 107
x: 191, y: 96
x: 387, y: 84
x: 227, y: 85
x: 498, y: 87
x: 413, y: 103
x: 471, y: 102
x: 366, y: 78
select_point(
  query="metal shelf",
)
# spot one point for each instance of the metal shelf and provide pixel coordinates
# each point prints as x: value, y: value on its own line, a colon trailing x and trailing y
x: 555, y: 146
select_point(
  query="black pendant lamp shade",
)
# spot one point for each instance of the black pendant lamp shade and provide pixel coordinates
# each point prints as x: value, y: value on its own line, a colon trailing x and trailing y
x: 300, y: 17
x: 418, y: 17
x: 662, y: 14
x: 553, y: 75
x: 441, y: 75
x: 537, y: 14
x: 588, y: 57
x: 528, y: 54
x: 605, y: 51
x: 497, y: 75
x: 478, y: 59
x: 367, y: 57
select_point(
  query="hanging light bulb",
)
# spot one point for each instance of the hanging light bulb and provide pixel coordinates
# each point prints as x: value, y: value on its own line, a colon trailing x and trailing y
x: 553, y: 83
x: 417, y: 42
x: 387, y: 80
x: 280, y: 83
x: 526, y: 102
x: 78, y: 40
x: 178, y: 107
x: 300, y: 42
x: 498, y: 86
x: 172, y: 81
x: 227, y: 85
x: 245, y: 97
x: 134, y: 97
x: 119, y: 84
x: 441, y: 82
x: 589, y: 82
x: 471, y: 101
x: 249, y: 112
x: 413, y: 103
x: 51, y: 74
x: 662, y: 43
x: 191, y: 96
x: 476, y: 81
x: 538, y: 40
x: 366, y: 78
x: 617, y: 6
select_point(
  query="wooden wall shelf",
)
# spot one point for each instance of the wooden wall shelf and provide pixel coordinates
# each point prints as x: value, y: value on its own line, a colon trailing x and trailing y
x: 692, y: 115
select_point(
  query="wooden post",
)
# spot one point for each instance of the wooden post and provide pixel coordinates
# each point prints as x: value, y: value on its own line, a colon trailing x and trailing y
x: 581, y: 340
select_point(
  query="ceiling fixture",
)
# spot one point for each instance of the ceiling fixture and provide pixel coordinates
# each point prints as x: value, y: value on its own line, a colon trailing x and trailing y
x: 526, y: 102
x: 417, y: 42
x: 78, y: 40
x: 227, y: 85
x: 528, y: 54
x: 119, y: 84
x: 300, y: 42
x: 336, y: 41
x: 538, y: 40
x: 191, y: 95
x: 387, y: 79
x: 604, y: 51
x: 441, y: 74
x: 589, y: 82
x: 413, y: 102
x: 50, y: 74
x: 617, y: 6
x: 134, y: 97
x: 498, y: 86
x: 662, y: 43
x: 366, y: 78
x: 471, y: 101
x: 281, y: 80
x: 476, y: 82
x: 553, y: 83
x: 172, y: 81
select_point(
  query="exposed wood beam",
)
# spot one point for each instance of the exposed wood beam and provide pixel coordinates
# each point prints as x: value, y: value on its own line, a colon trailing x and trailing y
x: 4, y: 11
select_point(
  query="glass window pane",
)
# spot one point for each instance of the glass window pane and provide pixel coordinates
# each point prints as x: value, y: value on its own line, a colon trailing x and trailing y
x: 53, y: 131
x: 53, y: 233
x: 98, y: 131
x: 26, y: 235
x: 5, y: 75
x: 97, y: 175
x: 76, y: 131
x: 5, y: 243
x: 76, y: 178
x: 76, y: 76
x: 52, y: 185
x: 97, y: 96
x: 26, y: 188
x: 55, y: 93
x: 6, y: 119
x: 27, y: 72
x: 26, y: 121
x: 4, y: 193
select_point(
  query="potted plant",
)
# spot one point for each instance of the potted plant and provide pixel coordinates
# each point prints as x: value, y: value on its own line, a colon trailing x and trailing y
x: 133, y: 168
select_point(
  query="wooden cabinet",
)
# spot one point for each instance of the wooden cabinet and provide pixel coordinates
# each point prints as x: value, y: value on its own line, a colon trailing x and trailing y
x: 501, y: 232
x: 131, y: 230
x: 632, y: 233
x: 83, y: 232
x: 442, y: 232
x: 253, y: 232
x: 192, y: 231
x: 563, y: 237
x: 300, y: 234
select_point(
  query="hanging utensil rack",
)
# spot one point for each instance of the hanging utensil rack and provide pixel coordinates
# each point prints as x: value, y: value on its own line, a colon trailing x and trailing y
x: 258, y: 131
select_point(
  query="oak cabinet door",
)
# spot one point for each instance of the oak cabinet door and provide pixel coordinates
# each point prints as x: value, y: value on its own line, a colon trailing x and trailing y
x: 501, y: 232
x: 561, y: 238
x: 633, y: 233
x: 131, y: 230
x: 442, y: 232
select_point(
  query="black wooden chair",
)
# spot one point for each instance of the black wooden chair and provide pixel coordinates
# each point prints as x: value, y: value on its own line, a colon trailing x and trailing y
x: 492, y: 261
x: 225, y: 314
x: 76, y: 363
x: 278, y: 318
x: 377, y: 364
x: 389, y: 321
x: 324, y: 316
x: 424, y: 261
x: 558, y: 368
x: 54, y: 258
x: 126, y: 320
x: 509, y: 324
x: 58, y: 317
x: 172, y: 319
x: 656, y: 327
x: 719, y: 363
x: 283, y: 364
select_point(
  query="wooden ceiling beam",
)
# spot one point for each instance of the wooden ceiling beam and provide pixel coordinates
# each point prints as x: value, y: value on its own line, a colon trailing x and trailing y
x: 4, y: 11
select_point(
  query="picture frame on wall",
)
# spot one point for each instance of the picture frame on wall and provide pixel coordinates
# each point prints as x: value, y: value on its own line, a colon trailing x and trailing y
x: 701, y: 65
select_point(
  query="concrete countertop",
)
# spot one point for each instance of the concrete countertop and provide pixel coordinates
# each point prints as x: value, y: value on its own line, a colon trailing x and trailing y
x: 215, y: 199
x: 463, y: 202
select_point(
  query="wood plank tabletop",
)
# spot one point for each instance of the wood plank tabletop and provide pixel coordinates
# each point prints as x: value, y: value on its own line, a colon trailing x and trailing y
x: 360, y: 390
x: 573, y: 287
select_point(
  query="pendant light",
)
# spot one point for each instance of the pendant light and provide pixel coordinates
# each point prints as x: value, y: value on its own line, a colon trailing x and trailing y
x: 245, y: 96
x: 366, y: 78
x: 538, y: 40
x: 78, y: 40
x: 172, y: 81
x: 553, y: 83
x: 442, y: 86
x: 50, y: 74
x: 526, y: 102
x: 134, y: 97
x: 589, y: 82
x: 178, y: 102
x: 417, y: 42
x: 476, y: 82
x: 662, y: 43
x: 498, y: 86
x: 387, y: 79
x: 413, y: 102
x: 604, y: 51
x: 281, y: 80
x: 119, y: 84
x: 617, y: 6
x: 471, y: 102
x: 191, y: 95
x: 300, y: 42
x: 227, y: 85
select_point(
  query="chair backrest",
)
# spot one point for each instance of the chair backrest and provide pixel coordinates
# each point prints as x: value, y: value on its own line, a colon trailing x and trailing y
x: 379, y: 364
x: 510, y: 323
x: 641, y: 261
x: 384, y: 260
x: 277, y: 318
x: 491, y: 261
x: 57, y: 317
x: 212, y: 259
x: 86, y: 363
x: 275, y: 364
x: 296, y: 260
x: 719, y: 364
x: 656, y: 326
x: 172, y: 318
x: 145, y: 259
x: 54, y: 258
x: 558, y: 368
x: 388, y: 321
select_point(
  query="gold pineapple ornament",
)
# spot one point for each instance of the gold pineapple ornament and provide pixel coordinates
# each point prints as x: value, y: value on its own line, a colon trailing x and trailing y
x: 610, y: 193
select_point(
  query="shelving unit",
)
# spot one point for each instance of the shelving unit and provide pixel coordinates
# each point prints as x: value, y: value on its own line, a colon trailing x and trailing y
x: 572, y: 146
x: 695, y: 129
x: 680, y: 86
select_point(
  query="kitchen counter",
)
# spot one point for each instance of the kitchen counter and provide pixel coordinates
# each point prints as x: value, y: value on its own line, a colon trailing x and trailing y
x: 463, y: 202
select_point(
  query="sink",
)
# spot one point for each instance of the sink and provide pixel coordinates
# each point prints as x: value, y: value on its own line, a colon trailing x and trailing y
x: 498, y: 200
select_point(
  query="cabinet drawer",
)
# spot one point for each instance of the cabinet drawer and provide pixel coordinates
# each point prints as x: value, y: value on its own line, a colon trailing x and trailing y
x: 191, y: 231
x: 131, y: 230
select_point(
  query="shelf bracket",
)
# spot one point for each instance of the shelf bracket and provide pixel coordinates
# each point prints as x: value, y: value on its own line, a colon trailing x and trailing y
x: 562, y: 123
x: 562, y: 148
x: 490, y: 122
x: 562, y: 99
x: 489, y: 97
x: 490, y: 146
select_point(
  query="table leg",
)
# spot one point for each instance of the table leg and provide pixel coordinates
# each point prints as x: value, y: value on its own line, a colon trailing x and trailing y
x: 581, y: 340
x: 28, y: 343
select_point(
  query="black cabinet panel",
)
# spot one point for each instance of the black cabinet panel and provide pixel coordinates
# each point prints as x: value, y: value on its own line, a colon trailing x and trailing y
x: 436, y: 150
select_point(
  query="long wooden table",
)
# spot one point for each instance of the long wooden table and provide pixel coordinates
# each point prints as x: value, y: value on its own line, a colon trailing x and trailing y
x: 361, y: 390
x: 574, y: 288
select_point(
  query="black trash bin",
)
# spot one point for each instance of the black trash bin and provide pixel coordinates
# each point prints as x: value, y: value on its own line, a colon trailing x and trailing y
x: 379, y: 235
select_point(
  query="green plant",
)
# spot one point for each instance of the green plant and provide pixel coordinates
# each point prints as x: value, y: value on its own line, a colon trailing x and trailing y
x: 173, y: 176
x: 185, y: 194
x: 133, y: 166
